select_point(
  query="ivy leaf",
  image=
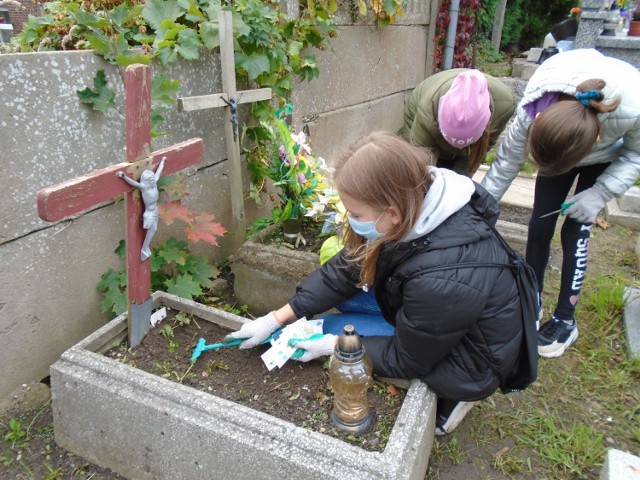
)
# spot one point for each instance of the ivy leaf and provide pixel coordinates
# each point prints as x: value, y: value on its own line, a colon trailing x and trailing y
x: 157, y: 119
x: 254, y: 64
x: 188, y: 44
x: 123, y: 60
x: 124, y: 13
x: 172, y: 252
x: 212, y: 12
x: 238, y: 25
x: 295, y: 48
x: 194, y: 14
x: 199, y: 269
x: 313, y: 36
x: 209, y: 35
x: 183, y: 286
x: 114, y: 302
x: 112, y: 283
x: 157, y: 11
x: 163, y: 89
x: 87, y: 19
x: 167, y: 55
x: 102, y: 98
x: 156, y: 263
x: 121, y: 249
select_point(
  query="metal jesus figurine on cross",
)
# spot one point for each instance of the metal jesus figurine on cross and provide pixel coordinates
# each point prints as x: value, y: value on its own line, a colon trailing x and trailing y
x: 80, y: 194
x: 230, y: 99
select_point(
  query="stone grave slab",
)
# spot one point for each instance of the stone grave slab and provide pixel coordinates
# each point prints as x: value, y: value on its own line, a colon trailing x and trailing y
x: 632, y: 320
x: 619, y: 465
x: 147, y: 427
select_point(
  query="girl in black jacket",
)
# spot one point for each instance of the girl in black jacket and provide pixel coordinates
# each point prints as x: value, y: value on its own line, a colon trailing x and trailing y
x: 404, y: 217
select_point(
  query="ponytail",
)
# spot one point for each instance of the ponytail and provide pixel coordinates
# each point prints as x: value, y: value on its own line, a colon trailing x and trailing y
x: 566, y: 132
x: 589, y: 93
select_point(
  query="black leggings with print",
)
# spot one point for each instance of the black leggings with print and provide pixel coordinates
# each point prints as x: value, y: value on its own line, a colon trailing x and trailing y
x: 550, y: 193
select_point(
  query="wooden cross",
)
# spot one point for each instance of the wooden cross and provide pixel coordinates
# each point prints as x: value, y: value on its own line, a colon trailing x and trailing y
x: 82, y: 193
x: 230, y: 99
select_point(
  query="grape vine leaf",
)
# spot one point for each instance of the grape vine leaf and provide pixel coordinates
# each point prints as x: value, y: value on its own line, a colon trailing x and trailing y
x: 102, y: 98
x: 184, y: 286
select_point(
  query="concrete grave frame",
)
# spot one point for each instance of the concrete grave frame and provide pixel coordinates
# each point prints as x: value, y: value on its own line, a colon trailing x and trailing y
x: 147, y: 427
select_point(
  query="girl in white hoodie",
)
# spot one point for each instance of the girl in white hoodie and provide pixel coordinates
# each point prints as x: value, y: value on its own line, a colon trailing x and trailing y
x: 579, y: 119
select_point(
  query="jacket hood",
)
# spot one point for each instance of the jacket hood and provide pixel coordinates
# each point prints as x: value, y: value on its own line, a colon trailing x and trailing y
x: 448, y: 193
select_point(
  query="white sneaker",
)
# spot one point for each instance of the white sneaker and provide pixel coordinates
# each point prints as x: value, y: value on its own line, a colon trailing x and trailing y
x: 540, y: 312
x: 446, y: 424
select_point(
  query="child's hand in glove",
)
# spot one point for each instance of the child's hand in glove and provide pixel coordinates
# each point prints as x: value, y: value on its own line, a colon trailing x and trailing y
x: 314, y: 347
x: 586, y: 205
x: 255, y: 332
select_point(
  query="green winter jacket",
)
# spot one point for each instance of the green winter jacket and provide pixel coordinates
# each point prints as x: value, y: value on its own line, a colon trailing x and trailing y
x: 421, y: 115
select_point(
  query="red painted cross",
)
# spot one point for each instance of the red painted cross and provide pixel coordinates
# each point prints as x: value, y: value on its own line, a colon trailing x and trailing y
x: 77, y: 195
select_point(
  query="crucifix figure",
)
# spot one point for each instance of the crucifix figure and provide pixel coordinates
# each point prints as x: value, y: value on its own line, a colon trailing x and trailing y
x: 74, y: 196
x: 230, y: 99
x: 148, y: 186
x: 233, y: 107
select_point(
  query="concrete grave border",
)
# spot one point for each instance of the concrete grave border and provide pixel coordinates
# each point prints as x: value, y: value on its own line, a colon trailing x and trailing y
x: 146, y: 427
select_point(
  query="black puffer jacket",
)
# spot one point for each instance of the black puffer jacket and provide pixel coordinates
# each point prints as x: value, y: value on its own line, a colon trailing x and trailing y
x: 446, y: 321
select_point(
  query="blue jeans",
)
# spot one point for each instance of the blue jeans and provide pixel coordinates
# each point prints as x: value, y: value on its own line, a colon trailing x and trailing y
x: 363, y: 312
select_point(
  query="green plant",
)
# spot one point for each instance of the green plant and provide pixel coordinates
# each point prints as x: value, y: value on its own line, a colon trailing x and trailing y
x: 513, y: 22
x: 173, y: 346
x: 454, y: 451
x: 540, y: 18
x: 174, y: 269
x: 17, y: 434
x: 53, y: 474
x: 166, y: 331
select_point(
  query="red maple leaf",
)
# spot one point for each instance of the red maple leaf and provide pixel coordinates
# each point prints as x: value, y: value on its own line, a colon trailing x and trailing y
x: 169, y: 211
x: 205, y: 229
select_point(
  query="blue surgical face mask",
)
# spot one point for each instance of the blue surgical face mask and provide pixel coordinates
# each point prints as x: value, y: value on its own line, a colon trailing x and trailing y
x: 366, y: 229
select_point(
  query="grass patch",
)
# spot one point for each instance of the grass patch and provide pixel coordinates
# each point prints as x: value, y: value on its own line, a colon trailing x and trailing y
x: 582, y: 404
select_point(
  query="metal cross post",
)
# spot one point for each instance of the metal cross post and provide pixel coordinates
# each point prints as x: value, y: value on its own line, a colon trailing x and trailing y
x: 230, y: 99
x: 80, y: 194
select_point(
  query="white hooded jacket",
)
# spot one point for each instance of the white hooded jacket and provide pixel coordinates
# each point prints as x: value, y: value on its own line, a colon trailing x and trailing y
x: 619, y: 141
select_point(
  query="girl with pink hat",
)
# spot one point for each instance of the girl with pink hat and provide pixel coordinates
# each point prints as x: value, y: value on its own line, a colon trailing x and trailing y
x: 458, y: 114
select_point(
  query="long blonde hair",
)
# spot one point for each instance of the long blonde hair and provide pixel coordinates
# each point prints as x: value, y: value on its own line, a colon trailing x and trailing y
x: 566, y: 132
x: 382, y: 170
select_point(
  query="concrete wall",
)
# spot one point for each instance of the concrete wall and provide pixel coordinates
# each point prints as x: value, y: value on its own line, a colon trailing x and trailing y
x: 49, y: 272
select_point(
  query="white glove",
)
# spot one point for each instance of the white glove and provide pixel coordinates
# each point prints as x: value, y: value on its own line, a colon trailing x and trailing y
x: 255, y: 332
x: 586, y: 205
x: 315, y: 348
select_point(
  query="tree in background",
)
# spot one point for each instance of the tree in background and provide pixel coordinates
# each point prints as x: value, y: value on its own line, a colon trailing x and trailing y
x: 527, y: 22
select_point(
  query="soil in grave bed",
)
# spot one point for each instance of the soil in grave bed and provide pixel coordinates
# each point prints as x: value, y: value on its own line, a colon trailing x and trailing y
x: 297, y: 392
x: 513, y: 214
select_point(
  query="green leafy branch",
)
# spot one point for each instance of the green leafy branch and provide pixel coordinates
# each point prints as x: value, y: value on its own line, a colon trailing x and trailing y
x: 174, y: 269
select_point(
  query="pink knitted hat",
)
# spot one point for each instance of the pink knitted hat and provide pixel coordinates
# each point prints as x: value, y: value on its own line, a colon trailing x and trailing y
x: 463, y: 112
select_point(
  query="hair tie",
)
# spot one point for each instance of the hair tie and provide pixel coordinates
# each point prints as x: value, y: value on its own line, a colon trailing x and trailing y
x: 584, y: 97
